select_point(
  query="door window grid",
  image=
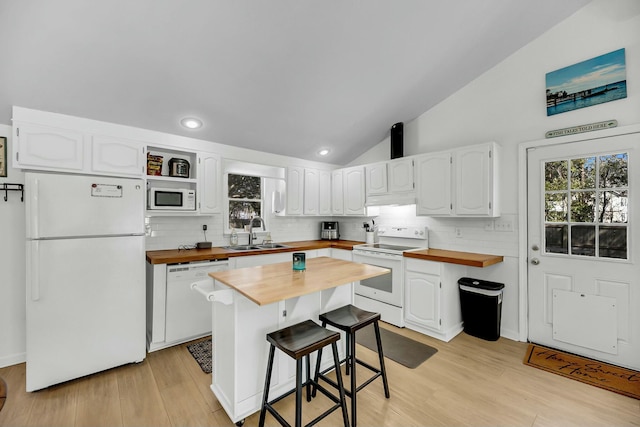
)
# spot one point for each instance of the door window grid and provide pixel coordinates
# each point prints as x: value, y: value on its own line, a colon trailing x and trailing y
x: 586, y: 206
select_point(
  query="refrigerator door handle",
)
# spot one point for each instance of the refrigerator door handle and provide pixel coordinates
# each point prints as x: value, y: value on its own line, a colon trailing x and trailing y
x: 35, y: 211
x: 35, y: 271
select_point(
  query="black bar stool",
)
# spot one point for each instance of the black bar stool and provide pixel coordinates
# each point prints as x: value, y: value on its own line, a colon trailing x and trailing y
x: 351, y: 319
x: 298, y: 341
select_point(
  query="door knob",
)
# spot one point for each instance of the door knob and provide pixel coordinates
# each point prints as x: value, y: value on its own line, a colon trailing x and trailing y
x: 535, y: 261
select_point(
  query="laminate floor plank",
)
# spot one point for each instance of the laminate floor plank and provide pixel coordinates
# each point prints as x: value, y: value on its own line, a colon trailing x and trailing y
x: 468, y: 382
x: 98, y: 400
x: 140, y: 399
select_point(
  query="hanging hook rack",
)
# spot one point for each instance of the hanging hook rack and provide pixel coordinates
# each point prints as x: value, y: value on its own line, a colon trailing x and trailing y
x: 6, y: 187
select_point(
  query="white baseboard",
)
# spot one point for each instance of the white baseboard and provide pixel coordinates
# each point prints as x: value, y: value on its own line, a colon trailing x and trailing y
x: 12, y: 359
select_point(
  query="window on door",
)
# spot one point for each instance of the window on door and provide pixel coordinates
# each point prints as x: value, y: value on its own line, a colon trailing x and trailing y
x: 586, y: 206
x: 244, y: 199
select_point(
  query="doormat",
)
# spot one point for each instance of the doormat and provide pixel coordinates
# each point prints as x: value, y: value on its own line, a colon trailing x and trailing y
x: 201, y: 351
x: 3, y: 393
x: 396, y: 347
x: 600, y: 374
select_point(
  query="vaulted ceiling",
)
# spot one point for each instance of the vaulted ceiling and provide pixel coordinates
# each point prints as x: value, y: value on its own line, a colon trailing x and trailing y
x: 282, y: 76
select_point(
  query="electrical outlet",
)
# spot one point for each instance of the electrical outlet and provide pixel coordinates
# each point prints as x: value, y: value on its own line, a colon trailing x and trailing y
x: 458, y: 232
x: 503, y: 224
x: 488, y: 226
x: 204, y: 227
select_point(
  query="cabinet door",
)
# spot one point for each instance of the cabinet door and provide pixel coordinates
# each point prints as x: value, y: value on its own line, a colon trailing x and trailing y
x: 48, y: 148
x: 116, y: 156
x: 311, y: 191
x: 295, y: 190
x: 422, y: 295
x: 376, y: 178
x: 433, y: 184
x: 337, y: 192
x: 324, y: 195
x: 400, y: 176
x: 354, y: 190
x: 473, y: 183
x: 209, y: 183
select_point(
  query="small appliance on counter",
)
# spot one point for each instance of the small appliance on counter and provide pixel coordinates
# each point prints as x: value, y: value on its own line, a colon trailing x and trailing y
x: 329, y: 230
x: 179, y: 168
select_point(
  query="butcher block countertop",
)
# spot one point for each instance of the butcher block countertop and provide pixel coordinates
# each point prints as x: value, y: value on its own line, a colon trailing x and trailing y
x: 175, y: 256
x: 454, y: 257
x: 271, y: 283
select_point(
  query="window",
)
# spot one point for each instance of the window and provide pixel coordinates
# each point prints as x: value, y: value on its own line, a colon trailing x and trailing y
x: 586, y: 206
x: 244, y: 199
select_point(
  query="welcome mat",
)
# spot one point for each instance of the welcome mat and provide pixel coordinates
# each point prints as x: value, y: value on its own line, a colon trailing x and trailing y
x: 3, y: 393
x: 600, y: 374
x: 201, y: 351
x: 396, y: 347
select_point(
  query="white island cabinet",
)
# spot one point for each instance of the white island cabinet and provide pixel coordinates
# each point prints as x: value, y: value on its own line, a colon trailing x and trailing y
x: 249, y: 303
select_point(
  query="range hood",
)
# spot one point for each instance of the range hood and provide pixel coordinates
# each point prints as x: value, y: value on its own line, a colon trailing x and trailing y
x: 391, y: 199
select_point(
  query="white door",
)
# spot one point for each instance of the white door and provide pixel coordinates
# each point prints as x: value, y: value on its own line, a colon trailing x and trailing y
x: 583, y: 271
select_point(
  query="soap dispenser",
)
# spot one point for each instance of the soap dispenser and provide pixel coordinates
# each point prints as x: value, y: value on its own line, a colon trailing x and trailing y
x: 234, y: 237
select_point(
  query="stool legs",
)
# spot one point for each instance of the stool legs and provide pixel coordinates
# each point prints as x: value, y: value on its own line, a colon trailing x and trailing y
x: 383, y: 371
x: 341, y: 401
x: 336, y: 362
x: 267, y: 384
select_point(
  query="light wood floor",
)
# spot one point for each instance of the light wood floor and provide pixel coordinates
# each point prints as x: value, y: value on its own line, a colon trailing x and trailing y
x: 469, y: 382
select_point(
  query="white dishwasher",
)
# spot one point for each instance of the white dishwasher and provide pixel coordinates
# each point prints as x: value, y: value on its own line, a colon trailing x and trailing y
x: 188, y: 315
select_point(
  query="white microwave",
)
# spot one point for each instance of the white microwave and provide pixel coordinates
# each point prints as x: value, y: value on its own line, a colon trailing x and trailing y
x: 171, y: 199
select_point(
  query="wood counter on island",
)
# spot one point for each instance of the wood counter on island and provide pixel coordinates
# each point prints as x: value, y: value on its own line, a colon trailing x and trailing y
x: 271, y: 283
x: 253, y: 301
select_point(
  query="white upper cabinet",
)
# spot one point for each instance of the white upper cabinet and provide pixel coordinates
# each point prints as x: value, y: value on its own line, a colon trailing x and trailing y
x: 117, y: 156
x: 295, y: 190
x: 43, y: 147
x: 476, y: 180
x: 400, y: 175
x: 311, y: 191
x: 433, y: 184
x: 324, y: 195
x: 376, y: 178
x: 337, y: 192
x: 209, y: 183
x: 347, y: 191
x: 461, y: 182
x: 354, y: 190
x: 48, y: 148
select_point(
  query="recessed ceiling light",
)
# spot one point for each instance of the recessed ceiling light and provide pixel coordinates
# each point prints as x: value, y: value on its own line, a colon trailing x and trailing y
x: 324, y: 152
x: 191, y: 123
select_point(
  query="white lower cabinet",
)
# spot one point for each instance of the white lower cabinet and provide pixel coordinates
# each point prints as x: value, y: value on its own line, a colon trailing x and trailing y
x: 432, y: 302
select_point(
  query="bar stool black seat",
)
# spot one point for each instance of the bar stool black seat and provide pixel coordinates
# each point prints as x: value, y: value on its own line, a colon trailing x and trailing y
x: 351, y: 319
x: 298, y: 342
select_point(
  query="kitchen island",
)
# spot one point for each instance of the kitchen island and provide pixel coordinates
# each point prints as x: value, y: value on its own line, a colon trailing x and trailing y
x: 250, y: 302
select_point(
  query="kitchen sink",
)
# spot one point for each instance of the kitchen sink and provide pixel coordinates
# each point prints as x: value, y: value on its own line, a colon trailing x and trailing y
x: 271, y: 246
x: 255, y: 247
x: 242, y: 247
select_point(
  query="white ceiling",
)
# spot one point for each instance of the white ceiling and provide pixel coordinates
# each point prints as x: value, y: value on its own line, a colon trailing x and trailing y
x: 281, y: 76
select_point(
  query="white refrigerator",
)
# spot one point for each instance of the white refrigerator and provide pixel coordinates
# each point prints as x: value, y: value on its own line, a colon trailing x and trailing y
x: 85, y: 276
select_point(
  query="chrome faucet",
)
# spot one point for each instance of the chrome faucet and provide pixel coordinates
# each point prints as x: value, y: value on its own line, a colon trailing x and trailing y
x: 252, y: 236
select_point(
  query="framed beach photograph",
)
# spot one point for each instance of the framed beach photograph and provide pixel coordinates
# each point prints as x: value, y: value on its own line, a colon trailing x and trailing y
x: 591, y: 82
x: 3, y: 156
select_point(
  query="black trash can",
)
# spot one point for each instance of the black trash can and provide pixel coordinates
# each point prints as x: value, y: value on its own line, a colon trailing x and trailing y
x: 481, y: 306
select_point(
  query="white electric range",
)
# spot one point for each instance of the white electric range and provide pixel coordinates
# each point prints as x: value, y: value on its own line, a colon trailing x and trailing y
x: 385, y: 294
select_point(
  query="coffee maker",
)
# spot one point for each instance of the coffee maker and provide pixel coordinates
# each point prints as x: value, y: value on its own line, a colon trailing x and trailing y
x: 329, y: 230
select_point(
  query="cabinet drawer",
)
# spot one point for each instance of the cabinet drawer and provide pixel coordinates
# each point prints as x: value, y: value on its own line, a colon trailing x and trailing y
x: 428, y: 267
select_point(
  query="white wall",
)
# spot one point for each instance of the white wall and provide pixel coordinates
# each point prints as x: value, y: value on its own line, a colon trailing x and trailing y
x: 507, y: 105
x: 12, y: 268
